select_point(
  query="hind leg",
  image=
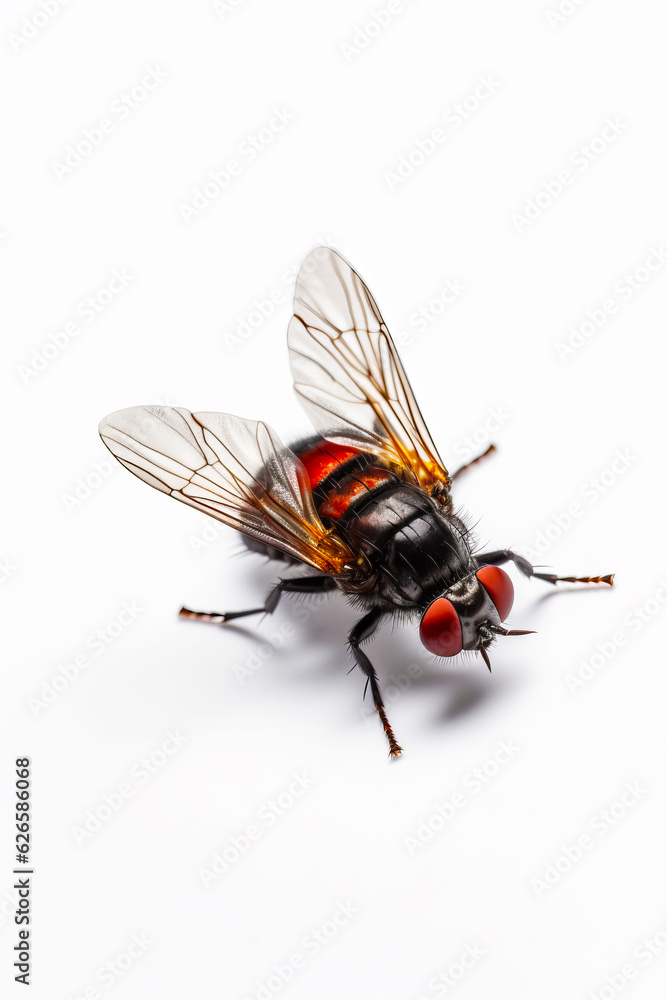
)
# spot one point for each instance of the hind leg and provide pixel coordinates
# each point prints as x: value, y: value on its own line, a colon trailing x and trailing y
x: 300, y: 585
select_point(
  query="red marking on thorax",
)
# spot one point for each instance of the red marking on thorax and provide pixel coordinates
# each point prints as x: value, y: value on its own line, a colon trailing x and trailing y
x: 338, y: 500
x: 322, y: 460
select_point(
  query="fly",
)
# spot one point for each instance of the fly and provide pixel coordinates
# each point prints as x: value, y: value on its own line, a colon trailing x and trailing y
x: 364, y: 506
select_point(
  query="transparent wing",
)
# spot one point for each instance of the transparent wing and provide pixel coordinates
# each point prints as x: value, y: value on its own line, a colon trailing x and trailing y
x: 236, y: 470
x: 348, y: 373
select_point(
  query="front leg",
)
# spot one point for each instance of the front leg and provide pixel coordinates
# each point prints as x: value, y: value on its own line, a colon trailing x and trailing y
x: 362, y: 631
x: 506, y: 555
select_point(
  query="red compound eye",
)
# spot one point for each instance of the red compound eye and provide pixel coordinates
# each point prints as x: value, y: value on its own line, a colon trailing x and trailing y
x: 499, y: 587
x: 440, y: 629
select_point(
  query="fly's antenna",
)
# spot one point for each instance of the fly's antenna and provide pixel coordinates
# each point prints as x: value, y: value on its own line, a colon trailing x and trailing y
x: 485, y: 657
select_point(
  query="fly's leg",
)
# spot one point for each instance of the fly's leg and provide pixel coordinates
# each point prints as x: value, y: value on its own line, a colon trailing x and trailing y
x: 362, y: 631
x: 300, y: 585
x: 473, y: 461
x: 506, y: 555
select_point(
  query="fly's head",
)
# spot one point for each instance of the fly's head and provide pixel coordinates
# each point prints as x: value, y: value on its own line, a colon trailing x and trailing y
x: 470, y: 614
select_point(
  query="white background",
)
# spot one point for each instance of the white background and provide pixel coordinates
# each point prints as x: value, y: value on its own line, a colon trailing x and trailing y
x: 262, y: 703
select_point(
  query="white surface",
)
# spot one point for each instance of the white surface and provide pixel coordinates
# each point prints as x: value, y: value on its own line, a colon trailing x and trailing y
x: 343, y: 840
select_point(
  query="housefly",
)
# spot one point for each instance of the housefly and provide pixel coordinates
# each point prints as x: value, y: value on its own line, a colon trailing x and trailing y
x: 364, y: 506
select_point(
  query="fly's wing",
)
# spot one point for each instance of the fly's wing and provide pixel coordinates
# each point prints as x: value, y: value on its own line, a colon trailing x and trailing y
x: 348, y: 373
x: 236, y: 470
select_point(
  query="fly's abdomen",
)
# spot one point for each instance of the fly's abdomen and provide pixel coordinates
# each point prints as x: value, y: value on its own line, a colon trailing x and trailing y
x: 343, y: 479
x: 409, y: 542
x: 324, y: 459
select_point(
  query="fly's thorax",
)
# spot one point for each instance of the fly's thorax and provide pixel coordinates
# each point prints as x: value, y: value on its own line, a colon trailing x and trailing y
x: 416, y: 549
